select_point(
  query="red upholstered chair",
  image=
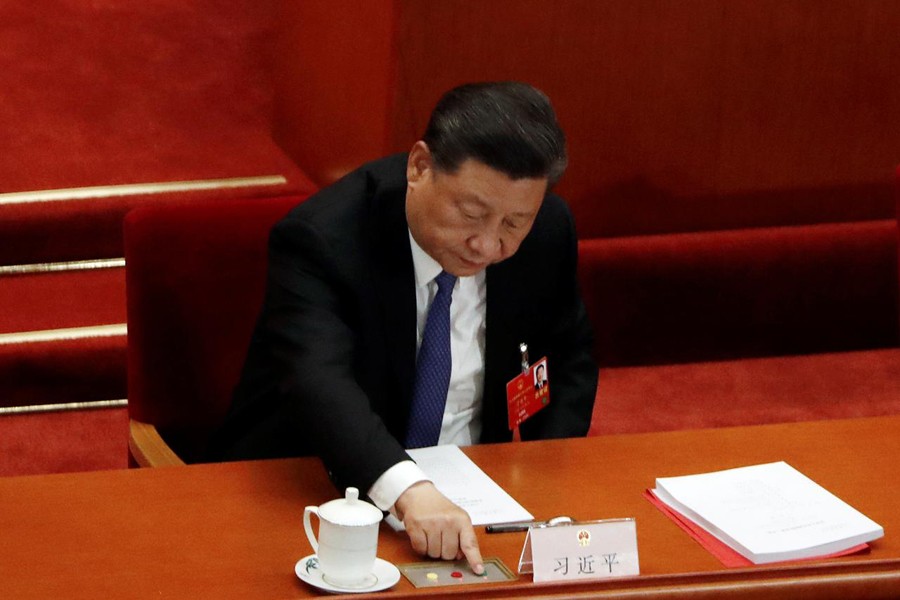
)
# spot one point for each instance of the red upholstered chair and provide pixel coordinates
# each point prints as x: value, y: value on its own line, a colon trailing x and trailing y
x: 747, y: 326
x: 195, y: 277
x: 726, y: 295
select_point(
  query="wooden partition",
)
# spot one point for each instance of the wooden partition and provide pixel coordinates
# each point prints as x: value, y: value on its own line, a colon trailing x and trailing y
x: 680, y: 115
x: 333, y: 77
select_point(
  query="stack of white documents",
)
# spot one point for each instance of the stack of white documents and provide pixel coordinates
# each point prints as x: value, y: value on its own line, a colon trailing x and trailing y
x: 768, y: 513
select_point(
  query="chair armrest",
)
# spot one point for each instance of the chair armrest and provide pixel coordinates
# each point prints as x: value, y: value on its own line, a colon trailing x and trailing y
x: 148, y: 448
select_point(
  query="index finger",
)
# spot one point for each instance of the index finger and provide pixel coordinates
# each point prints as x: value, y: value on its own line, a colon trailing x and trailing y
x: 468, y: 544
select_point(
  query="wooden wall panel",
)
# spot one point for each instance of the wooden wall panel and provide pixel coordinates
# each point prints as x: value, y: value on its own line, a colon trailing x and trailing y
x: 333, y: 74
x: 629, y: 82
x: 681, y: 115
x: 810, y: 93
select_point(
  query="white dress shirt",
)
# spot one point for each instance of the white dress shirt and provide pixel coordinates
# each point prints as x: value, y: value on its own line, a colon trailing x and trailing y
x: 461, y: 424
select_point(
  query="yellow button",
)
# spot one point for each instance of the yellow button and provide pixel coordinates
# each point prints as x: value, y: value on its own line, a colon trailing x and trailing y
x: 432, y: 576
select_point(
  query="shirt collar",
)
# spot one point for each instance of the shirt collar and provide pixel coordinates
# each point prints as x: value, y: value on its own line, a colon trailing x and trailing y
x: 426, y: 268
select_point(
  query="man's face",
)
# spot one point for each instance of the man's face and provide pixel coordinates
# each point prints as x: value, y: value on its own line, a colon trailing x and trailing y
x: 469, y: 219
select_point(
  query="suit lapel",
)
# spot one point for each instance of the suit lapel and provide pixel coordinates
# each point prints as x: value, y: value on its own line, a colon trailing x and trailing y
x: 395, y: 282
x: 508, y: 325
x: 501, y: 347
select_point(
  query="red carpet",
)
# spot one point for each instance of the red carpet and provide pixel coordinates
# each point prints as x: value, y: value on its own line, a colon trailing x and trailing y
x: 80, y: 370
x: 781, y: 389
x: 62, y: 442
x: 117, y: 92
x: 64, y: 299
x: 109, y: 93
x: 122, y: 93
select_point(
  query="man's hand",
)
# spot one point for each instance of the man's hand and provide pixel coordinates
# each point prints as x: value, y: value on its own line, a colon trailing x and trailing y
x: 437, y: 527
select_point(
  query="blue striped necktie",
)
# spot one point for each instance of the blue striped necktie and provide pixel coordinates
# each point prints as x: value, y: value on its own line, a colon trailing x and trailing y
x: 432, y: 369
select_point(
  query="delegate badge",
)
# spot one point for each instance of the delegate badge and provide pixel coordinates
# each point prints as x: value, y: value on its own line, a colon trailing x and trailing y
x: 528, y: 393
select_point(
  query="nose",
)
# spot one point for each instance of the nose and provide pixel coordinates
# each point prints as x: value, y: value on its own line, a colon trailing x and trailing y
x: 487, y: 246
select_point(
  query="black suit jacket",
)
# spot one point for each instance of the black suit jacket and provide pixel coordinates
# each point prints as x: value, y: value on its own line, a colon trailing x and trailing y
x: 331, y: 363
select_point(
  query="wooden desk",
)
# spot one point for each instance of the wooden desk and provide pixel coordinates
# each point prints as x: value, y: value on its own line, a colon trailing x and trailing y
x: 234, y: 530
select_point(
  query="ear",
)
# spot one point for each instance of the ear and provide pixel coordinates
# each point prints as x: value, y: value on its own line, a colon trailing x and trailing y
x: 418, y: 163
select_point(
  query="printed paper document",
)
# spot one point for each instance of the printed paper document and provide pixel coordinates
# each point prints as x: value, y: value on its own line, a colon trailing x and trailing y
x: 466, y: 485
x: 768, y: 513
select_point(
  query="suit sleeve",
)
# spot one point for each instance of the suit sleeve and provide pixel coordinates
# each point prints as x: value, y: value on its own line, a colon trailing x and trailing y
x: 308, y: 322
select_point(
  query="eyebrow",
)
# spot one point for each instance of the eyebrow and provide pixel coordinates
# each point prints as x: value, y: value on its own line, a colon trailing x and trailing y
x: 470, y: 197
x: 475, y: 199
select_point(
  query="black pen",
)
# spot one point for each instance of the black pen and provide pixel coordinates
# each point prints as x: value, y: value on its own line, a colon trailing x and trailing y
x: 513, y: 526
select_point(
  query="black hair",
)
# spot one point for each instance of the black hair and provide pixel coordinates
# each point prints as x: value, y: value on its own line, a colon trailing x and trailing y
x: 508, y: 125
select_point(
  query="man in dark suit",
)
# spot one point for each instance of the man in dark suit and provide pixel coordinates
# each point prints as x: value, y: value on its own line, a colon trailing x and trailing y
x: 332, y: 365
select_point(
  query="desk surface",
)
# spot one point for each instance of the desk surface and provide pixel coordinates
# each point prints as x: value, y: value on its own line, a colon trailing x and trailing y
x: 234, y: 530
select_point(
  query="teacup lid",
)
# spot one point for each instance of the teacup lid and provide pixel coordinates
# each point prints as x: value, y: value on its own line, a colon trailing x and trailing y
x: 350, y: 510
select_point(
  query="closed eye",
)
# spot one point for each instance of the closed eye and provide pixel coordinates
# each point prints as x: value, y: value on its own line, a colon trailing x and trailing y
x: 513, y: 223
x: 471, y: 211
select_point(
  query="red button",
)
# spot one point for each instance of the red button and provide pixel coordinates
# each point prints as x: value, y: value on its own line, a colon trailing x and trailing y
x: 456, y: 574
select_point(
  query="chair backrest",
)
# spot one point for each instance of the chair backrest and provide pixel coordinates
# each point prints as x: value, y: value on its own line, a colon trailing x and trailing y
x: 195, y: 280
x: 743, y: 293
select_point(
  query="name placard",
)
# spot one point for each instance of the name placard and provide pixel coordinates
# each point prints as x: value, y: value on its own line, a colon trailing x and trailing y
x: 581, y: 550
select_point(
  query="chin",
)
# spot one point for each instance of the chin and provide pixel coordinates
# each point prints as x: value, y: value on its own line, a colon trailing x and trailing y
x: 468, y: 271
x: 460, y: 267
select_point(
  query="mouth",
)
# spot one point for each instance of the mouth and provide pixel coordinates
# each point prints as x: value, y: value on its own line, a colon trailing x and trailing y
x: 468, y: 264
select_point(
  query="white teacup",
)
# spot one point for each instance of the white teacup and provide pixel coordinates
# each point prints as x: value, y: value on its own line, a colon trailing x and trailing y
x: 348, y: 539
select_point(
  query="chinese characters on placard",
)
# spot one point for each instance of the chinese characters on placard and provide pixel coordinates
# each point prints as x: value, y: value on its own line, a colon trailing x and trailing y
x: 586, y: 564
x: 581, y: 550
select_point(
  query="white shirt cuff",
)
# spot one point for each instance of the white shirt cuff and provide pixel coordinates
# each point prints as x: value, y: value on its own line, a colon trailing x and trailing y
x: 393, y: 482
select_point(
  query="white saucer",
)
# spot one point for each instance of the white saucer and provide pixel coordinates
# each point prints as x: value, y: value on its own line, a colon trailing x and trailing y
x: 383, y: 576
